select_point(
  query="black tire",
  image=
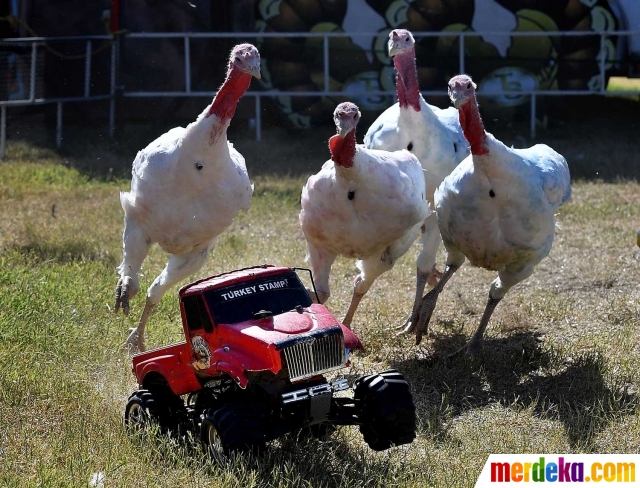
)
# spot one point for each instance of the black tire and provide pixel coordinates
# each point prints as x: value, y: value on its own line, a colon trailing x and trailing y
x: 386, y: 410
x: 239, y: 427
x: 210, y: 436
x: 165, y: 409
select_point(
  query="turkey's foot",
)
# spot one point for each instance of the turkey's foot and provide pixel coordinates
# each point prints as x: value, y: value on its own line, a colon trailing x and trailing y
x: 421, y: 323
x: 122, y: 294
x: 434, y: 277
x: 135, y: 342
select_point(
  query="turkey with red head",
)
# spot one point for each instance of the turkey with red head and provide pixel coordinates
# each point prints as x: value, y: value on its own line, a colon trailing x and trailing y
x: 432, y: 134
x: 365, y: 204
x: 496, y: 209
x: 186, y: 188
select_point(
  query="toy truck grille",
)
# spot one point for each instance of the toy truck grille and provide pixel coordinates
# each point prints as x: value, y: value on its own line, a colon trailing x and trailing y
x: 314, y: 355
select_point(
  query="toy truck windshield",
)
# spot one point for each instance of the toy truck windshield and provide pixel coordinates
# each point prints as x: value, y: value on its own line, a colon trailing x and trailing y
x: 257, y: 298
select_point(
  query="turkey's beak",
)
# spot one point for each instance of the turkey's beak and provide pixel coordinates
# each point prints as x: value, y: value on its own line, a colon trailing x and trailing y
x: 343, y: 130
x: 393, y: 47
x: 344, y: 126
x: 255, y: 71
x: 456, y: 98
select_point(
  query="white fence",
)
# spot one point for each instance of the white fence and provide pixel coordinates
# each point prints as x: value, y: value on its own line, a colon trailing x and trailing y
x: 112, y: 42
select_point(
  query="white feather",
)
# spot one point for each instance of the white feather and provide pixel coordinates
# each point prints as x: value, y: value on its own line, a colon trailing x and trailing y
x: 513, y: 229
x: 434, y: 134
x: 376, y: 226
x: 178, y: 205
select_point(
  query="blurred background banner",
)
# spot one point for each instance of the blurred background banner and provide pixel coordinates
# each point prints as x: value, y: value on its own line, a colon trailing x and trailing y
x: 500, y: 62
x: 497, y: 62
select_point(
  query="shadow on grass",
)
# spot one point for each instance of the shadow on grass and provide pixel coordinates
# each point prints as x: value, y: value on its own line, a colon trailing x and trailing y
x: 292, y: 461
x: 517, y: 372
x: 61, y: 252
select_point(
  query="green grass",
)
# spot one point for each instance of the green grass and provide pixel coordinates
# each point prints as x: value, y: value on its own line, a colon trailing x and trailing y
x: 559, y: 375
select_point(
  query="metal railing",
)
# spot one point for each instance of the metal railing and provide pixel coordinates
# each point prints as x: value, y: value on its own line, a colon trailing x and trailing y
x: 42, y: 42
x: 325, y: 91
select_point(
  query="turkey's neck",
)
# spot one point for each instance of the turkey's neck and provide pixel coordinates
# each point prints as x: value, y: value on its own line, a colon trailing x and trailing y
x: 343, y: 150
x: 407, y: 81
x: 473, y: 128
x: 226, y: 100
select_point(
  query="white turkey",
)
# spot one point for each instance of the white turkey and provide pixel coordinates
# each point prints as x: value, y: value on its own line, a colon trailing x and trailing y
x: 496, y: 209
x: 186, y: 188
x: 365, y: 204
x: 432, y: 134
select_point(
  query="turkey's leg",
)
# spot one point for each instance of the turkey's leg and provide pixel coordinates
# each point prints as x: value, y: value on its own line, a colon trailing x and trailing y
x: 177, y: 269
x: 135, y: 247
x: 474, y: 347
x: 426, y: 272
x: 321, y: 261
x: 428, y: 304
x: 370, y: 269
x: 135, y: 342
x: 355, y: 301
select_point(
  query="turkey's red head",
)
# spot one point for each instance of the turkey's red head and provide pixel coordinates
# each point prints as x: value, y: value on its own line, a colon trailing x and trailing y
x: 346, y: 116
x: 461, y: 90
x: 343, y: 145
x: 402, y: 48
x: 244, y: 62
x: 401, y: 42
x: 246, y: 58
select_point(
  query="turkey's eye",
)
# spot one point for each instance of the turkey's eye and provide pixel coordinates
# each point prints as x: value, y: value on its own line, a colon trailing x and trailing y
x: 469, y: 86
x: 407, y: 39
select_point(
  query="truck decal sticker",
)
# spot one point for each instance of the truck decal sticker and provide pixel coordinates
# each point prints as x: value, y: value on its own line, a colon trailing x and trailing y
x: 202, y: 352
x: 248, y: 290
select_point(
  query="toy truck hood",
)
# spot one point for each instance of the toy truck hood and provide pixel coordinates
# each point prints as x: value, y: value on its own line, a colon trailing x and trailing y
x: 283, y: 328
x: 237, y: 349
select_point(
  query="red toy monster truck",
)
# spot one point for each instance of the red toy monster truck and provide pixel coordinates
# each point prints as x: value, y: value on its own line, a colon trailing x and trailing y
x: 251, y: 369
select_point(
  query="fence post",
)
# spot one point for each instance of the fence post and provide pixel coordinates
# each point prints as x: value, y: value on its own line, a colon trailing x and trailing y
x: 258, y: 119
x: 32, y: 81
x: 325, y: 58
x: 187, y: 63
x: 87, y: 70
x: 461, y: 53
x: 603, y: 78
x: 112, y: 91
x: 3, y: 132
x: 59, y: 126
x: 532, y: 122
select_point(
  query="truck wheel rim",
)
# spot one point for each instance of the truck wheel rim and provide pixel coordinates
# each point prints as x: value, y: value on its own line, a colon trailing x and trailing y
x: 136, y: 416
x: 213, y: 440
